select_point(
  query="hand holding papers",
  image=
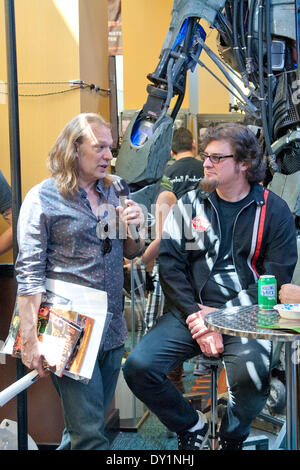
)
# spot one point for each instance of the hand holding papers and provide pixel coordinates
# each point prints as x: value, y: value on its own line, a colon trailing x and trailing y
x: 91, y: 303
x: 82, y: 311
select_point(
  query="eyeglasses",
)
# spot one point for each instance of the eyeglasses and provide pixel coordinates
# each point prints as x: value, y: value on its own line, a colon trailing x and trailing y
x: 214, y: 159
x: 106, y: 243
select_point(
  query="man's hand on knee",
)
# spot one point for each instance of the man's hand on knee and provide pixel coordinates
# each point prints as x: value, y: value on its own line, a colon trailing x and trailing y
x: 195, y: 322
x: 211, y: 343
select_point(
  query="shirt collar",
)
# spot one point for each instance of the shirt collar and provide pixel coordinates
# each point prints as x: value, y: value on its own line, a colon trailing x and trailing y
x: 99, y: 189
x: 257, y: 192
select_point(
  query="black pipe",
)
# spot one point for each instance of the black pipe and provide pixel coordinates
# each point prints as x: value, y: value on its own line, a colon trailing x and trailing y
x: 225, y: 29
x: 228, y: 12
x: 250, y: 62
x: 14, y: 139
x: 268, y: 149
x: 297, y: 20
x: 269, y: 67
x: 236, y: 45
x: 242, y: 28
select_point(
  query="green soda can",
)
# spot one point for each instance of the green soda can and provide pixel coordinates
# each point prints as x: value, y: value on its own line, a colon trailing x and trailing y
x: 267, y: 292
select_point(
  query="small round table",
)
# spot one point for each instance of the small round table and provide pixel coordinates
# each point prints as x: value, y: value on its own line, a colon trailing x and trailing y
x: 243, y: 321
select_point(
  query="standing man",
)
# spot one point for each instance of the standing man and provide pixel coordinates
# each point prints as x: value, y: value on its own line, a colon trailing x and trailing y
x: 6, y: 238
x: 57, y: 237
x: 213, y: 249
x: 186, y: 172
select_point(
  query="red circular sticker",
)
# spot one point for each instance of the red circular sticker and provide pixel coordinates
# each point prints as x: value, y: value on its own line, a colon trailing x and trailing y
x: 200, y: 224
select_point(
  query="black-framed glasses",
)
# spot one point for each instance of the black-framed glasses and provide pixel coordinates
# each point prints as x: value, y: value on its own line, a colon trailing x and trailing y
x: 214, y: 159
x: 106, y: 243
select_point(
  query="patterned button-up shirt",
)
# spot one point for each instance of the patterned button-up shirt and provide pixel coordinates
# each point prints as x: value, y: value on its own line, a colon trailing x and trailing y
x: 57, y: 240
x: 5, y: 194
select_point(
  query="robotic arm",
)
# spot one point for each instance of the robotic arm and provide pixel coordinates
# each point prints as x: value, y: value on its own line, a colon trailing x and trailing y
x: 258, y: 43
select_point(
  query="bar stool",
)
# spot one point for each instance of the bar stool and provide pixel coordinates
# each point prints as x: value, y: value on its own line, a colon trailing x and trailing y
x: 215, y: 365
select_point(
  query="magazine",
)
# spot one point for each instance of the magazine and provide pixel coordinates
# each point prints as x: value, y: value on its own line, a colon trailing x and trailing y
x: 57, y: 334
x: 93, y: 304
x: 86, y: 325
x: 69, y: 299
x: 49, y: 299
x: 58, y: 342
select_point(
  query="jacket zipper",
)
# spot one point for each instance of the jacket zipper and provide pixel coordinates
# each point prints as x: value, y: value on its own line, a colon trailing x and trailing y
x: 220, y: 237
x: 243, y: 208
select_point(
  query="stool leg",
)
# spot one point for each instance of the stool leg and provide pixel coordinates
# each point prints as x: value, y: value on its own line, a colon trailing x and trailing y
x: 214, y: 406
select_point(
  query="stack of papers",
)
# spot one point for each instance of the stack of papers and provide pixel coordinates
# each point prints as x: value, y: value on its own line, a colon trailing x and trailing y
x: 82, y: 307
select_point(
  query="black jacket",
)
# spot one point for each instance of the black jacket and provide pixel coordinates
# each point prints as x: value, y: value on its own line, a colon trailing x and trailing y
x: 263, y: 242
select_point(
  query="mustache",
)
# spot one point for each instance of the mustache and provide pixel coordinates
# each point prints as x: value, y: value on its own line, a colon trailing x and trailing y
x: 208, y: 185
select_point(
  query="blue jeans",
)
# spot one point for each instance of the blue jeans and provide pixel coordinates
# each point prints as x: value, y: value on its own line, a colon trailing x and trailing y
x: 85, y: 405
x: 169, y: 344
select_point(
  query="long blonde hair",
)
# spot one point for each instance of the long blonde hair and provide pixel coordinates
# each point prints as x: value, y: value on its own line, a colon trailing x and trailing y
x: 62, y: 159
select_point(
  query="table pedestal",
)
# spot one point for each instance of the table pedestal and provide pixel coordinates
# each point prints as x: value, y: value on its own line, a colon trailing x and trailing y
x: 292, y: 371
x: 247, y: 322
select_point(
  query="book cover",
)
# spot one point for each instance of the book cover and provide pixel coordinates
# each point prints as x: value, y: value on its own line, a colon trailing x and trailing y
x: 49, y: 298
x: 69, y: 297
x: 86, y: 324
x: 58, y: 341
x: 15, y: 333
x: 93, y: 304
x: 58, y: 337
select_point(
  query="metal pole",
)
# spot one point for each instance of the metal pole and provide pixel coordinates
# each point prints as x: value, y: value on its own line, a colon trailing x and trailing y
x: 214, y: 405
x: 292, y: 396
x: 14, y: 135
x: 289, y: 402
x: 297, y: 20
x: 132, y: 286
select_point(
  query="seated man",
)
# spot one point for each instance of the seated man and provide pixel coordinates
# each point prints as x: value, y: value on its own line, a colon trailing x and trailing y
x: 216, y: 243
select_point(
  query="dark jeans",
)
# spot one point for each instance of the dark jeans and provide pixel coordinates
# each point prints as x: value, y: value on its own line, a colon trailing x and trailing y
x: 167, y: 345
x: 85, y: 405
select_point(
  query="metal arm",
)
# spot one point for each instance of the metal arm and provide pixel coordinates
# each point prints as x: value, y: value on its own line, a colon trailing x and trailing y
x: 257, y: 42
x: 146, y: 146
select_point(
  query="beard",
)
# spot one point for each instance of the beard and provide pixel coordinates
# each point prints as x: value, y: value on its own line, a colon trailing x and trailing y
x: 208, y: 185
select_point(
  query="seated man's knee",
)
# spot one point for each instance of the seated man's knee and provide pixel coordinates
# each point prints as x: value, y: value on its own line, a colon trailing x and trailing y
x: 135, y: 368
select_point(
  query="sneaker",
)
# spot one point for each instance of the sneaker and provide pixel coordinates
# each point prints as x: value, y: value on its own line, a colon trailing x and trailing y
x: 194, y: 440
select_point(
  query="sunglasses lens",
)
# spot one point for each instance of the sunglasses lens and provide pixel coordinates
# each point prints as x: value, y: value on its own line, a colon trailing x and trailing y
x: 106, y: 246
x: 106, y: 243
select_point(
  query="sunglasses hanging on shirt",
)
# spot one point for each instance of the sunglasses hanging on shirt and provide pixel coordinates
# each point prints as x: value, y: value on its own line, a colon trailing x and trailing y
x: 101, y: 231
